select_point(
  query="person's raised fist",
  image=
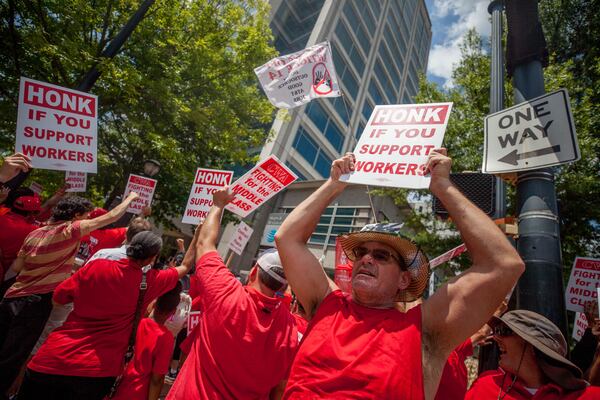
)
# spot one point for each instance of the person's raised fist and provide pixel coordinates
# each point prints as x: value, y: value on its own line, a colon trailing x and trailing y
x: 342, y: 166
x: 222, y: 197
x: 438, y: 166
x: 12, y: 165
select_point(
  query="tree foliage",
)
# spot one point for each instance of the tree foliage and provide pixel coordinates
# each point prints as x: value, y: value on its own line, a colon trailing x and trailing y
x: 577, y: 184
x: 181, y: 90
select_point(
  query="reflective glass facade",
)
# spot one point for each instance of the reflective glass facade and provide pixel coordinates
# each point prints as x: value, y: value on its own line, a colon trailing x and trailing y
x: 379, y: 48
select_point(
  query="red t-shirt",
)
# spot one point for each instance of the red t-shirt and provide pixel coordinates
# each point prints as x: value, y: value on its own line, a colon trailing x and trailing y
x: 488, y: 385
x: 153, y: 350
x: 354, y: 352
x: 14, y: 228
x: 246, y: 341
x: 453, y: 384
x: 106, y: 239
x: 94, y: 338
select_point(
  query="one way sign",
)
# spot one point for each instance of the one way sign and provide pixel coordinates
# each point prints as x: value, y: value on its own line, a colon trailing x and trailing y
x: 535, y: 134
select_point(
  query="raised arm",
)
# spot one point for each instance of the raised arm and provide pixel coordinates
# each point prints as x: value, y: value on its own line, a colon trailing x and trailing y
x: 89, y: 225
x: 207, y: 239
x: 190, y: 254
x: 461, y: 306
x: 302, y: 269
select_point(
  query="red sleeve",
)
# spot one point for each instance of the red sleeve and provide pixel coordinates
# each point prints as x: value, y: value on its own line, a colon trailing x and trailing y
x: 163, y: 281
x: 65, y: 291
x: 186, y: 345
x: 465, y: 350
x: 193, y: 292
x: 162, y: 356
x: 76, y: 230
x: 215, y: 281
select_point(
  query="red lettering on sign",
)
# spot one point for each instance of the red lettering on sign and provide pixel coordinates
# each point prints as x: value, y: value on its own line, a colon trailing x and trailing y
x: 588, y: 264
x: 58, y: 99
x: 278, y: 172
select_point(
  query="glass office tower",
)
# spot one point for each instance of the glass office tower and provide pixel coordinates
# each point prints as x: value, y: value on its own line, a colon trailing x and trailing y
x: 379, y: 47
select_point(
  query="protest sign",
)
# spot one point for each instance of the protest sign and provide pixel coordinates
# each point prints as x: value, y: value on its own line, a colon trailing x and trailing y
x: 258, y: 185
x: 396, y: 143
x: 583, y: 283
x: 193, y: 320
x: 579, y: 326
x: 447, y: 256
x: 240, y: 239
x: 57, y: 127
x: 294, y: 79
x: 274, y: 221
x: 36, y: 187
x: 206, y: 182
x: 144, y: 187
x: 76, y: 181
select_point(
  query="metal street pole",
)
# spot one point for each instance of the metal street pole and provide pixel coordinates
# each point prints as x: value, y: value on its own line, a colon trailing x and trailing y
x: 115, y: 45
x: 540, y: 289
x: 488, y: 355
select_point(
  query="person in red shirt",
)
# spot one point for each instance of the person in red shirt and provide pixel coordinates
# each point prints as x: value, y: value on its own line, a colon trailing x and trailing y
x: 359, y: 345
x: 532, y: 363
x: 145, y: 374
x: 106, y: 237
x: 82, y: 358
x: 19, y: 220
x: 246, y: 339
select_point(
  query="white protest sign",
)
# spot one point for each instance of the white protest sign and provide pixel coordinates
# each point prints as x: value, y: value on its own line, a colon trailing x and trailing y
x: 579, y: 326
x: 240, y: 239
x: 274, y: 221
x: 583, y: 283
x: 294, y: 79
x: 76, y: 181
x: 57, y: 127
x: 206, y: 182
x: 396, y: 143
x: 193, y: 320
x: 258, y: 185
x: 144, y: 187
x: 36, y: 187
x: 534, y: 134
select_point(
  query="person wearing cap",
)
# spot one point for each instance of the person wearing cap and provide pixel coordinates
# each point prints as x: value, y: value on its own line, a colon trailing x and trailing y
x: 247, y: 338
x: 19, y: 220
x: 533, y: 363
x: 45, y: 259
x: 359, y: 345
x: 82, y: 358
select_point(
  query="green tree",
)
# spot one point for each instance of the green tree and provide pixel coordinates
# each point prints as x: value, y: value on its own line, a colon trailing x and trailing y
x: 182, y: 90
x: 578, y: 186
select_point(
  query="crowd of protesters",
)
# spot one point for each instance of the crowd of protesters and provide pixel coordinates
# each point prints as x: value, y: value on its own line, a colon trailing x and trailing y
x: 88, y: 313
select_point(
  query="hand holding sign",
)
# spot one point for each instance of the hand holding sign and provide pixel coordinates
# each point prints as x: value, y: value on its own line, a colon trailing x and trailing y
x: 438, y: 165
x: 222, y: 197
x: 131, y: 197
x: 342, y: 166
x: 14, y: 164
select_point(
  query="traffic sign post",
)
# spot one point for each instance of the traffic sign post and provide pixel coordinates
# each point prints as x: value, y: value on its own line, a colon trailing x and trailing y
x: 535, y: 134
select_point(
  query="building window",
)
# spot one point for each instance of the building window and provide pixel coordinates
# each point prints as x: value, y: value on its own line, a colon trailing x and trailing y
x: 344, y: 74
x: 325, y: 124
x: 359, y: 130
x: 340, y: 108
x: 295, y: 170
x: 375, y: 92
x: 334, y: 221
x: 312, y: 153
x: 367, y: 109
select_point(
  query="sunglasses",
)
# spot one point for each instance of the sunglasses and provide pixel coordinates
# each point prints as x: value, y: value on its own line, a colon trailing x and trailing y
x: 502, y: 331
x: 379, y: 255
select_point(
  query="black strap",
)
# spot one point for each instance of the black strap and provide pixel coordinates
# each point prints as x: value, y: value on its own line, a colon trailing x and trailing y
x: 131, y: 345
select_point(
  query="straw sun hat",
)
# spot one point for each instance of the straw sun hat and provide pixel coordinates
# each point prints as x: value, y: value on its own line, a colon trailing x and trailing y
x: 414, y: 259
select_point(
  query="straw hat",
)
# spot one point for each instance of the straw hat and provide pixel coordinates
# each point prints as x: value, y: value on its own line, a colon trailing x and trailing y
x: 415, y: 260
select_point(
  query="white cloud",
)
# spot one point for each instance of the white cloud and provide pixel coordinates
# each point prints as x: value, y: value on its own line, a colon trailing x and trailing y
x: 451, y: 19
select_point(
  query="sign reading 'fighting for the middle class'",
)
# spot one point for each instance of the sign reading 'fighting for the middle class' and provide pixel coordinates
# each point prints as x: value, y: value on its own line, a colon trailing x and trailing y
x: 396, y: 143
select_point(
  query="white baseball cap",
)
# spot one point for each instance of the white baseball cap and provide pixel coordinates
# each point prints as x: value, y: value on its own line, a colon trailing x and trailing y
x: 267, y: 261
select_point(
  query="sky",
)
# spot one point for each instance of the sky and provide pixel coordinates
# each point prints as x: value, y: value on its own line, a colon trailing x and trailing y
x: 450, y: 20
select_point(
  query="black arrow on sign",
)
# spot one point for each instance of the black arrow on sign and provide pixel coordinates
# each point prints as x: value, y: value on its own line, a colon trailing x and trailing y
x: 513, y: 156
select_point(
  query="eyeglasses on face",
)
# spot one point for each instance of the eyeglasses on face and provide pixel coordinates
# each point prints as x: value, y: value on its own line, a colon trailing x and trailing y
x: 379, y: 255
x: 502, y: 331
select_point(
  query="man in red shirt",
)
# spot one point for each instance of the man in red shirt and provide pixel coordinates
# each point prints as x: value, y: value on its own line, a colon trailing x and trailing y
x: 82, y: 358
x: 246, y: 338
x: 359, y: 345
x: 44, y: 261
x: 145, y: 374
x: 532, y: 363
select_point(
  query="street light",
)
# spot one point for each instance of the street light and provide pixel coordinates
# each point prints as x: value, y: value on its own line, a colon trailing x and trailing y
x: 151, y: 168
